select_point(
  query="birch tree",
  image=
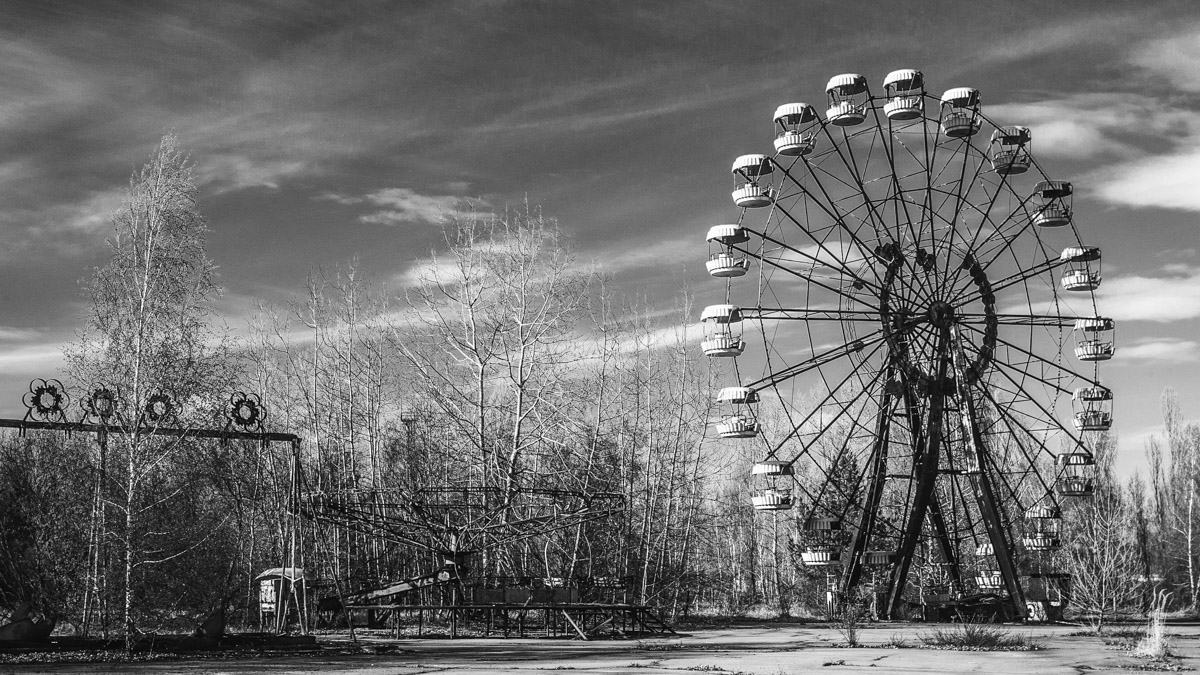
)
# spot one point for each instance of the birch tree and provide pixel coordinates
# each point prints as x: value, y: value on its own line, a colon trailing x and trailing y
x: 148, y: 338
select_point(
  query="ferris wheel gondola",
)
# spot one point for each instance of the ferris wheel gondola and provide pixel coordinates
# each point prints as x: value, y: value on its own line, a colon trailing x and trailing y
x: 918, y: 288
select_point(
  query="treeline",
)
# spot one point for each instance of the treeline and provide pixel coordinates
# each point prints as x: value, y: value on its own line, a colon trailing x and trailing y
x: 503, y: 366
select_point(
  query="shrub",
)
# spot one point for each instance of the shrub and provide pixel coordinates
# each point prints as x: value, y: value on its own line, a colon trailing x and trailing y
x: 978, y: 637
x: 1155, y: 645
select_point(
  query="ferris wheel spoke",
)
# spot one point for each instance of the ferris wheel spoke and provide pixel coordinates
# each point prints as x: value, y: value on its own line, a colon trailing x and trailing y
x: 804, y: 314
x: 830, y: 209
x: 875, y: 339
x: 1014, y: 491
x: 832, y: 479
x: 1015, y: 403
x: 985, y: 212
x: 899, y: 203
x: 1002, y: 242
x: 1005, y: 242
x: 1049, y: 265
x: 998, y: 230
x: 1053, y: 364
x: 834, y: 257
x: 796, y: 431
x: 1006, y: 417
x: 808, y: 494
x: 1021, y: 208
x: 862, y: 176
x: 962, y: 190
x: 1019, y: 319
x: 832, y: 470
x: 817, y: 281
x: 797, y: 427
x: 1041, y: 380
x: 836, y: 478
x: 1050, y: 417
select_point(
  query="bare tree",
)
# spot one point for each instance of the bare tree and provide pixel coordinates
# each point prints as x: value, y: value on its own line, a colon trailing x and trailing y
x: 1101, y: 552
x: 148, y: 337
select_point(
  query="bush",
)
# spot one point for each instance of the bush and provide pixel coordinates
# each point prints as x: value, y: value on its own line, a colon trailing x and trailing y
x: 1155, y: 645
x: 854, y: 612
x: 896, y: 641
x: 978, y: 637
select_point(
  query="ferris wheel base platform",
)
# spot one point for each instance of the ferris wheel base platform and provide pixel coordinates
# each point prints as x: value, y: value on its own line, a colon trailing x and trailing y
x: 988, y: 608
x: 580, y: 621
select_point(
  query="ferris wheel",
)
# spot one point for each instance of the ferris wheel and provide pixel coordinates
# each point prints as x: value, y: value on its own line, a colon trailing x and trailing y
x: 911, y: 320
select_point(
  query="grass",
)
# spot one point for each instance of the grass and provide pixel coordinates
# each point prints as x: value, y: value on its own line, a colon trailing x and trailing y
x: 659, y: 646
x: 978, y: 637
x: 896, y: 641
x: 1155, y: 645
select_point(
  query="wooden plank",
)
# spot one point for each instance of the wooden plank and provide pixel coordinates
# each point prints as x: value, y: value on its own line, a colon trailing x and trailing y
x: 663, y: 624
x: 578, y: 630
x: 600, y: 625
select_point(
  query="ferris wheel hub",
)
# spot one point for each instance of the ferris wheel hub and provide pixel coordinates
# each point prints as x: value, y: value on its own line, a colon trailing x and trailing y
x: 941, y: 314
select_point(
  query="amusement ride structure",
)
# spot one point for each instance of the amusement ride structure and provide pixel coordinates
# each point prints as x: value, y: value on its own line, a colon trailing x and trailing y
x: 922, y: 380
x: 460, y: 524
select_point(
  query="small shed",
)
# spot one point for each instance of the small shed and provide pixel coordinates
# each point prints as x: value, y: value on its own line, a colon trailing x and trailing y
x: 286, y: 588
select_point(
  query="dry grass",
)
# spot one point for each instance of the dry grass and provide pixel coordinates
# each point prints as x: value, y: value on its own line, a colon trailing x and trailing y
x: 1155, y: 644
x: 979, y: 637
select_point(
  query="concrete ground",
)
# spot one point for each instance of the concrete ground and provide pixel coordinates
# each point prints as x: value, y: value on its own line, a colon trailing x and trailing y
x: 758, y: 649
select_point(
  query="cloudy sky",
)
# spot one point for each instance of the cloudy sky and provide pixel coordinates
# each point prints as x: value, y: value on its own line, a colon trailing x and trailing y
x: 323, y: 133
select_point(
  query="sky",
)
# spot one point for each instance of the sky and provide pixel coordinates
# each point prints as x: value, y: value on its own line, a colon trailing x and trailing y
x: 323, y: 131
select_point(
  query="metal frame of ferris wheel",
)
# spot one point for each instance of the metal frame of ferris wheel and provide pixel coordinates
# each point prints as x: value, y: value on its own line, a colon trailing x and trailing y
x: 925, y: 318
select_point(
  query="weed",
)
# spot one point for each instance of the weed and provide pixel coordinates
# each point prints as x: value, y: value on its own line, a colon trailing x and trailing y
x: 978, y: 637
x: 1155, y: 645
x: 659, y: 646
x: 896, y: 641
x: 854, y: 612
x: 1108, y: 633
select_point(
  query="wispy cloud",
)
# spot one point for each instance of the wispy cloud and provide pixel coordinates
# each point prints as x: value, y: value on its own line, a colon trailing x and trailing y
x: 226, y: 172
x: 1165, y: 177
x: 576, y: 107
x: 1177, y: 58
x: 1076, y: 127
x: 1172, y: 297
x: 401, y: 206
x: 1159, y: 350
x: 8, y: 334
x: 680, y: 252
x: 38, y: 82
x: 36, y: 358
x: 1054, y: 37
x: 69, y: 228
x: 441, y: 268
x: 1158, y: 181
x: 1152, y: 136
